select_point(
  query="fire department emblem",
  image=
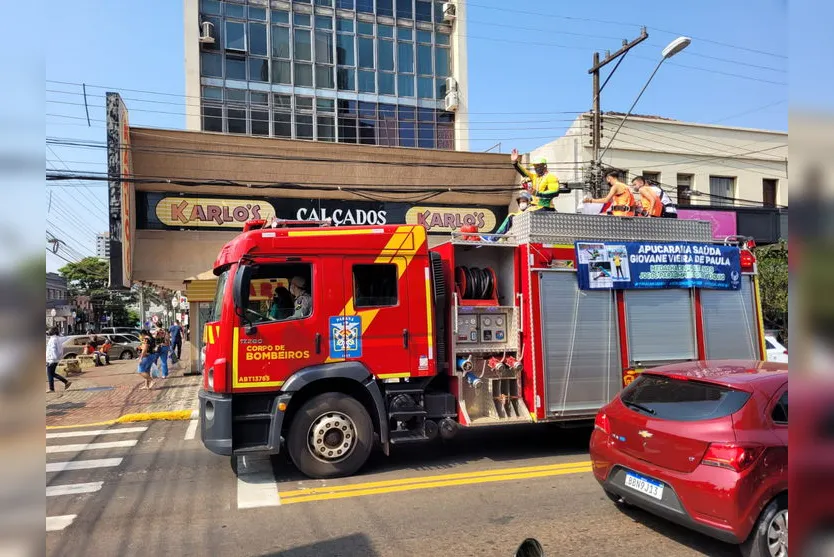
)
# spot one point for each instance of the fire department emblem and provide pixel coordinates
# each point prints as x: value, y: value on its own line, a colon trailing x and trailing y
x: 346, y: 336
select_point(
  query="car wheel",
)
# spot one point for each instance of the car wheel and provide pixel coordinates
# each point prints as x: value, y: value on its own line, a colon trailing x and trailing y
x: 769, y: 537
x: 331, y: 436
x: 126, y: 355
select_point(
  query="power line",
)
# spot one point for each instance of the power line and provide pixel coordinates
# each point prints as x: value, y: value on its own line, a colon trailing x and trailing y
x: 752, y: 110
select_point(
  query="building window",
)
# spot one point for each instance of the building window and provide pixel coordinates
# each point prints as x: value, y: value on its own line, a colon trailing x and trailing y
x: 386, y: 83
x: 652, y: 177
x: 237, y: 11
x: 346, y: 79
x: 259, y: 69
x: 282, y: 116
x: 441, y: 62
x: 385, y: 8
x: 423, y: 11
x: 365, y: 6
x: 769, y: 189
x: 304, y: 75
x: 212, y: 109
x: 303, y: 48
x: 722, y: 190
x: 405, y: 9
x: 375, y: 285
x: 211, y: 64
x: 408, y: 136
x: 236, y: 68
x: 257, y: 39
x: 366, y: 53
x: 367, y: 81
x: 685, y: 184
x: 258, y: 14
x: 405, y: 85
x: 344, y: 4
x: 367, y: 123
x: 281, y: 72
x: 236, y: 36
x: 280, y: 16
x: 280, y: 42
x: 325, y: 120
x: 210, y: 7
x: 259, y: 111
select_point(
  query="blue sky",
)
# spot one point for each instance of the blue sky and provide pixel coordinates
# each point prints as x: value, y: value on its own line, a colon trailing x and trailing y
x: 528, y: 62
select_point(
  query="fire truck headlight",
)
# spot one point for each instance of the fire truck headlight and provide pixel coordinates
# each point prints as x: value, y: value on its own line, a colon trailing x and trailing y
x: 211, y: 378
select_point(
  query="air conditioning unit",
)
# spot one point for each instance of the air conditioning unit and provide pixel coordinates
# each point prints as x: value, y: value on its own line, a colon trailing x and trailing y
x: 207, y: 32
x: 449, y: 12
x: 452, y: 101
x: 451, y: 84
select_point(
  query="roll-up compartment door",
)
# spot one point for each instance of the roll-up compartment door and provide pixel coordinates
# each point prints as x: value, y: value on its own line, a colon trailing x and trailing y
x: 661, y: 326
x: 730, y: 327
x: 581, y: 345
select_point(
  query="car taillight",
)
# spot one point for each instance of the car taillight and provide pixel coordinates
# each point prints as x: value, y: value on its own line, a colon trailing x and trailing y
x: 731, y: 456
x: 601, y: 423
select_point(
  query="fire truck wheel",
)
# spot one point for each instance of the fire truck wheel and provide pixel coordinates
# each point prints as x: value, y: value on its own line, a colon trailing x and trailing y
x: 330, y: 436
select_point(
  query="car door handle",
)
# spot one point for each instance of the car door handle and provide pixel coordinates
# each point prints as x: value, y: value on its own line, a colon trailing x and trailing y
x: 318, y: 343
x: 405, y: 338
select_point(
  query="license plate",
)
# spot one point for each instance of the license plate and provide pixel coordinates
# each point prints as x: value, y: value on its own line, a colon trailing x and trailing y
x: 652, y: 488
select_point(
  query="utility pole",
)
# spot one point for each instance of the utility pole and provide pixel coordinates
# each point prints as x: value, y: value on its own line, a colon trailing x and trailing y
x: 596, y: 123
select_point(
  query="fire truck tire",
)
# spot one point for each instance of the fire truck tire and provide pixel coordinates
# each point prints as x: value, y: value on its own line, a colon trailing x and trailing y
x: 331, y: 436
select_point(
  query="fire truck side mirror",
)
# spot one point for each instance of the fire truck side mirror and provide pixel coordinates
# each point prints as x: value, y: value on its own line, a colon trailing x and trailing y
x: 243, y: 279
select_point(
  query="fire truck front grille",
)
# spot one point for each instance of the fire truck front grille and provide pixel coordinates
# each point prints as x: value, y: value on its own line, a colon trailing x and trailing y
x: 548, y: 227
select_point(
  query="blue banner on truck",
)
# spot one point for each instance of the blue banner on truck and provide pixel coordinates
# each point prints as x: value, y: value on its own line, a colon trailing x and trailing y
x: 632, y: 265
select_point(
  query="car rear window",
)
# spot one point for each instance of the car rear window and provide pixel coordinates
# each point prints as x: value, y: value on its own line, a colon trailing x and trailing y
x: 682, y: 400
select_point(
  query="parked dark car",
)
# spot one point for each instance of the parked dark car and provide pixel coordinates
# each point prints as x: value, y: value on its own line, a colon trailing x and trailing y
x: 705, y: 445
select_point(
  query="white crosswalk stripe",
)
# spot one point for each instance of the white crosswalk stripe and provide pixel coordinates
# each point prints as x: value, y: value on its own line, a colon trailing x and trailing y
x: 82, y: 464
x: 256, y: 484
x: 96, y: 432
x: 191, y: 432
x: 73, y: 489
x: 77, y: 448
x: 55, y: 523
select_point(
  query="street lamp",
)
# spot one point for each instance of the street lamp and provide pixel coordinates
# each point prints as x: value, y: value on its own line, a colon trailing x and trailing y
x: 671, y: 49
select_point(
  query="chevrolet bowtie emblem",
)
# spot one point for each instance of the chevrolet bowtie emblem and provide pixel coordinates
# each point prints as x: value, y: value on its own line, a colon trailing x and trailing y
x: 644, y: 434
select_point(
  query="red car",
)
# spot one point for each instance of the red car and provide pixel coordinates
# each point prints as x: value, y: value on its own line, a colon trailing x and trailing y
x: 705, y: 445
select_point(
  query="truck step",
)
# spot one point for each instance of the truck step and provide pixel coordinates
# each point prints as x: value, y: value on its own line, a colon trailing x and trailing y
x: 249, y: 449
x: 403, y: 388
x: 407, y: 413
x: 253, y: 417
x: 400, y: 437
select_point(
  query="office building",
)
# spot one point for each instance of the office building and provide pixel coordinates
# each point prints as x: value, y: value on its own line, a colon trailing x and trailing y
x: 103, y: 245
x: 374, y: 72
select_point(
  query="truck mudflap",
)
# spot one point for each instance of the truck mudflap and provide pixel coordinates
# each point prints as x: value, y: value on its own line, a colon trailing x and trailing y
x: 216, y: 422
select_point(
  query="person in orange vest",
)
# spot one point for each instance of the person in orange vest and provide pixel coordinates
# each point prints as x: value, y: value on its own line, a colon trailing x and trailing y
x: 655, y: 201
x: 620, y: 196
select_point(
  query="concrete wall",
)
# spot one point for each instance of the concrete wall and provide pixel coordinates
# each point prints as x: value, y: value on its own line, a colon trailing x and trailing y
x: 191, y: 55
x: 460, y: 71
x: 671, y: 148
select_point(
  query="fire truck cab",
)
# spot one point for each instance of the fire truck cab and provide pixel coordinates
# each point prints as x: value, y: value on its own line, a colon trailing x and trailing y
x: 328, y: 341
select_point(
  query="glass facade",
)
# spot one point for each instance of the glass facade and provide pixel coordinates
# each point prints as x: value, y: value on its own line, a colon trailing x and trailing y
x: 328, y: 70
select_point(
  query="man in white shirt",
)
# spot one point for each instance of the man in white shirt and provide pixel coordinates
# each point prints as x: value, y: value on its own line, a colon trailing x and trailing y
x: 53, y: 356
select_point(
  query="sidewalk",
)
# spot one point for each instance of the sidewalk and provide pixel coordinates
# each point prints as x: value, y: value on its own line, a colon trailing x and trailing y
x: 104, y: 394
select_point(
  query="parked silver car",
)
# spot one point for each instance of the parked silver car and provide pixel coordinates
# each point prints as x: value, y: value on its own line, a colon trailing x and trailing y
x: 124, y: 346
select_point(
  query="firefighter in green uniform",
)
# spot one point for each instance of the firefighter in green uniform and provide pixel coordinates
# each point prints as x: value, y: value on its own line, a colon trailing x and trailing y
x: 544, y: 184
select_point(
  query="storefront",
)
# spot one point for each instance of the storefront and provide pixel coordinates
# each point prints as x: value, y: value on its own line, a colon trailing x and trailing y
x: 177, y: 197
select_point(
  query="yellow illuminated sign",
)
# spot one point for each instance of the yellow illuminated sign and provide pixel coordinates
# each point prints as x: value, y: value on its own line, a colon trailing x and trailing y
x: 447, y: 219
x: 211, y: 213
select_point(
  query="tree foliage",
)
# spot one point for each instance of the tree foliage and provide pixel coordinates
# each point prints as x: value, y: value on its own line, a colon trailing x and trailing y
x: 773, y: 282
x: 86, y: 276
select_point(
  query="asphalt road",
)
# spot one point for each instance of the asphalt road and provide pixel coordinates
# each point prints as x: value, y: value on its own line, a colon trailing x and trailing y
x: 154, y: 491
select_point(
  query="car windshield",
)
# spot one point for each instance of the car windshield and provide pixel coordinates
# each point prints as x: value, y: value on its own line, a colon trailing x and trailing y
x: 682, y: 400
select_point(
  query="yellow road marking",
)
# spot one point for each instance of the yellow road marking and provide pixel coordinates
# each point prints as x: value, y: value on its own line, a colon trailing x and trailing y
x: 426, y: 482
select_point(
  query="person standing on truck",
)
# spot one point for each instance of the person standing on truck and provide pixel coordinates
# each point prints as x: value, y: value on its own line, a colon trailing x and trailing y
x: 656, y: 202
x: 303, y: 302
x: 545, y: 184
x: 619, y: 195
x: 523, y: 200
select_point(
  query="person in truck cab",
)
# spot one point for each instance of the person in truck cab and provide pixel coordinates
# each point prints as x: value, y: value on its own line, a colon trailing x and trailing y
x: 619, y: 195
x: 282, y: 306
x: 545, y: 184
x: 303, y: 301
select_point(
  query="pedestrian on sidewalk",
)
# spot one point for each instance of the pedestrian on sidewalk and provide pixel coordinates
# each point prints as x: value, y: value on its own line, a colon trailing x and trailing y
x: 146, y: 358
x: 162, y: 347
x: 176, y: 339
x: 53, y: 356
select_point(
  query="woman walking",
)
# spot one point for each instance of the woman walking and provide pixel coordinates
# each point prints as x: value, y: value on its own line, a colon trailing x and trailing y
x: 147, y: 355
x: 162, y: 348
x: 53, y: 356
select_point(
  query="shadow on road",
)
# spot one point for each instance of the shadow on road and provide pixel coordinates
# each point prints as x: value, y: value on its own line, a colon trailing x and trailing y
x: 693, y: 540
x: 496, y: 444
x: 356, y: 544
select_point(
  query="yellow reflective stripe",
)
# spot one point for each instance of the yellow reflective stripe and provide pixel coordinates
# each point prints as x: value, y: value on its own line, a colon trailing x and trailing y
x: 235, y: 381
x: 429, y: 329
x: 758, y: 298
x: 303, y: 233
x: 394, y: 375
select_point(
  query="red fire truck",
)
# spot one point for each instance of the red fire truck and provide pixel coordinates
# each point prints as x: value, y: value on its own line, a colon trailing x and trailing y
x: 328, y: 341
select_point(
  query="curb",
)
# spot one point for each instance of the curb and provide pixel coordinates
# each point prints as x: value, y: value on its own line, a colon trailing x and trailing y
x: 171, y: 415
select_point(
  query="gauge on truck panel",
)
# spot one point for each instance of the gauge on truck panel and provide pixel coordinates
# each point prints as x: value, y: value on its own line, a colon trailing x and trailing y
x: 467, y: 329
x: 493, y: 328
